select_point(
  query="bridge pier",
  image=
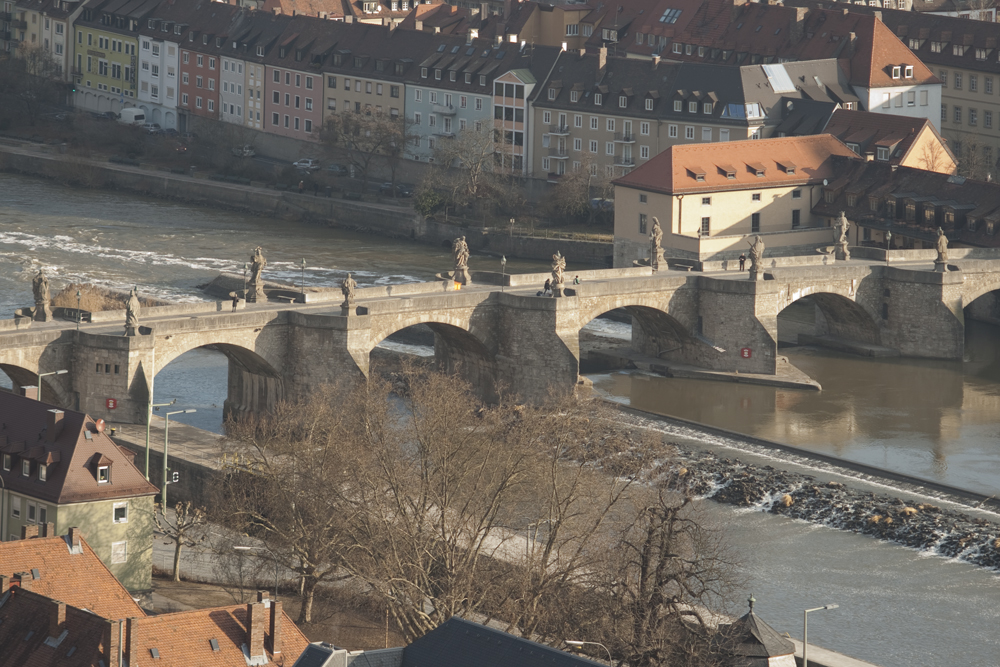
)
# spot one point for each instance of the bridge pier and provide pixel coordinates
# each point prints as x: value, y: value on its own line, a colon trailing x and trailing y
x: 922, y: 313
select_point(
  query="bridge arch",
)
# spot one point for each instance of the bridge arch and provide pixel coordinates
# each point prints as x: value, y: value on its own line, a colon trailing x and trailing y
x: 55, y: 388
x: 838, y: 315
x: 459, y: 348
x: 982, y: 301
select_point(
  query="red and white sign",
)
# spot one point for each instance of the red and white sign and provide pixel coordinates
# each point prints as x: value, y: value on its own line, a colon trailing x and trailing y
x: 746, y: 353
x: 111, y: 403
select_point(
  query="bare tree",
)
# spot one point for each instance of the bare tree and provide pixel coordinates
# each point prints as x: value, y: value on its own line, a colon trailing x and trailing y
x: 181, y: 529
x: 367, y: 137
x: 239, y: 571
x: 30, y: 80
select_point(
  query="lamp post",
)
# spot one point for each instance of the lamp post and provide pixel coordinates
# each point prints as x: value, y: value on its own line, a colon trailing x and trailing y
x: 79, y: 315
x: 273, y: 555
x: 150, y: 406
x: 302, y: 285
x: 503, y: 271
x: 166, y: 435
x: 578, y: 644
x: 41, y: 375
x: 888, y: 246
x: 805, y: 631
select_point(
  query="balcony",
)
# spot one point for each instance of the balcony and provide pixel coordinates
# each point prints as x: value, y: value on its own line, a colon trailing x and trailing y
x: 19, y: 25
x: 444, y: 109
x: 558, y: 153
x: 624, y: 138
x: 624, y: 161
x: 5, y: 16
x: 447, y: 134
x: 559, y: 130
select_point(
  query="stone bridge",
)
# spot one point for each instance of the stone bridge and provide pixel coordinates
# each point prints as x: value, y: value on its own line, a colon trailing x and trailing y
x: 716, y: 320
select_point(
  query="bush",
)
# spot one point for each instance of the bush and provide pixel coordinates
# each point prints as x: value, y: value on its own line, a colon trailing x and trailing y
x: 429, y: 202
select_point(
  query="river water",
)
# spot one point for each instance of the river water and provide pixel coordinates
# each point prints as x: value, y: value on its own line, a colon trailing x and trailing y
x: 937, y: 420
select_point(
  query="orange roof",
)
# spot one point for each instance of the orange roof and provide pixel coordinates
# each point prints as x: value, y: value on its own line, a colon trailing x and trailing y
x: 877, y: 54
x: 75, y: 576
x: 739, y: 165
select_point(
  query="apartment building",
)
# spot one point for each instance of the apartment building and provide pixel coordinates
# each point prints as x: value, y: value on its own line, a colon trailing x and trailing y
x: 710, y: 198
x: 253, y: 37
x: 47, y: 25
x: 464, y: 83
x: 159, y: 69
x: 106, y: 48
x: 201, y: 46
x: 615, y: 114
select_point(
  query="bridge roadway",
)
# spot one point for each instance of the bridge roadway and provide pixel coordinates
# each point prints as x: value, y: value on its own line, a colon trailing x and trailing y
x: 717, y: 320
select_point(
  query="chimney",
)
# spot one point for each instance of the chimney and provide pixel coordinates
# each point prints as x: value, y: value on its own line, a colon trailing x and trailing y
x: 30, y: 391
x: 74, y: 536
x: 737, y: 9
x: 4, y: 584
x: 797, y: 24
x: 277, y: 11
x: 275, y: 627
x: 656, y: 61
x: 132, y: 641
x: 484, y: 10
x: 852, y: 42
x: 22, y: 579
x: 418, y: 25
x: 878, y: 16
x: 255, y: 628
x: 27, y: 532
x: 53, y: 424
x: 602, y: 62
x: 50, y: 530
x: 113, y: 643
x: 349, y: 19
x: 57, y: 618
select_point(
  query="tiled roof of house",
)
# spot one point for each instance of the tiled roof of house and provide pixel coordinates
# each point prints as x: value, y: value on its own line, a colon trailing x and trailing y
x: 439, y: 18
x: 461, y: 643
x: 869, y: 131
x: 737, y: 165
x: 74, y: 575
x: 71, y: 445
x: 749, y: 637
x: 39, y: 631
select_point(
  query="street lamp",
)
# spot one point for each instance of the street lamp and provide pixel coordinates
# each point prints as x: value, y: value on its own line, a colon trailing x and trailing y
x: 888, y: 246
x: 805, y: 631
x: 149, y: 417
x: 166, y: 435
x: 41, y: 375
x: 273, y: 555
x: 503, y: 271
x: 79, y: 315
x: 302, y: 285
x: 578, y: 644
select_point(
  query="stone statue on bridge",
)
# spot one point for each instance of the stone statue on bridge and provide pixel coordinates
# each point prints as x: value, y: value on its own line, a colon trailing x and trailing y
x: 941, y: 263
x: 460, y: 249
x: 40, y: 289
x: 841, y: 228
x: 257, y: 264
x: 756, y: 258
x: 655, y: 245
x: 132, y: 313
x: 558, y: 268
x: 347, y: 286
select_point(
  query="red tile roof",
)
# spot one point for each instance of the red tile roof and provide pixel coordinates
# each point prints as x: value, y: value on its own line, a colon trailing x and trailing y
x: 704, y: 167
x: 73, y: 444
x: 75, y: 576
x: 869, y: 130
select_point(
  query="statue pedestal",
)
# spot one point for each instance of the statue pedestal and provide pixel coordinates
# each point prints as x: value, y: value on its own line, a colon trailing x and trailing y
x: 462, y: 276
x: 657, y: 260
x: 41, y: 313
x: 557, y: 289
x: 347, y: 308
x: 256, y: 293
x: 130, y: 331
x: 756, y: 275
x: 940, y: 266
x: 842, y: 252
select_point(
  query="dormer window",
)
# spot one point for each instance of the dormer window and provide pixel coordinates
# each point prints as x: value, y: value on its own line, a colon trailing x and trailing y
x: 177, y: 30
x: 552, y: 93
x: 598, y: 99
x: 423, y: 72
x: 260, y: 51
x: 706, y: 108
x: 692, y: 107
x: 103, y: 474
x: 649, y: 104
x: 678, y: 106
x: 622, y: 101
x: 908, y: 72
x: 437, y: 74
x: 6, y: 462
x: 574, y: 96
x: 26, y: 467
x: 896, y: 71
x: 883, y: 153
x: 43, y: 472
x: 204, y: 39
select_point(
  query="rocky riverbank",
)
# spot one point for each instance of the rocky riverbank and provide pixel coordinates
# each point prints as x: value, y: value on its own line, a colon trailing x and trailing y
x: 901, y: 518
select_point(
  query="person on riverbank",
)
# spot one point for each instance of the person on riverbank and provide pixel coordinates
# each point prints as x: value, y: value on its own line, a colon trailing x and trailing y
x: 302, y: 186
x: 576, y: 280
x: 547, y: 287
x: 236, y: 301
x: 743, y: 262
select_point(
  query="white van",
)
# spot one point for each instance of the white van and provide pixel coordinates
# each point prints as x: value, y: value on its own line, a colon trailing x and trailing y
x: 132, y: 116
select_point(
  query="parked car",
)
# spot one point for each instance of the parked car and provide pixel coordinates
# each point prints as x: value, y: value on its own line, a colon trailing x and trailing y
x: 338, y: 169
x: 308, y: 164
x: 152, y: 128
x: 244, y: 151
x: 401, y: 189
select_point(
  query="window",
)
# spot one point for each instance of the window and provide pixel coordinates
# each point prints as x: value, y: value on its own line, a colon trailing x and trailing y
x: 26, y: 467
x: 611, y: 125
x: 796, y: 218
x: 958, y: 114
x: 578, y: 144
x: 546, y: 165
x: 644, y: 152
x: 184, y: 57
x: 31, y: 518
x: 908, y: 72
x: 479, y: 104
x: 416, y: 119
x: 706, y: 134
x: 121, y: 512
x: 119, y: 552
x: 755, y: 196
x: 277, y: 76
x: 43, y: 514
x: 598, y: 99
x: 15, y: 507
x: 973, y: 83
x: 274, y: 119
x: 593, y: 122
x: 958, y: 81
x: 622, y: 101
x: 882, y: 153
x: 642, y: 223
x: 103, y: 474
x: 184, y: 99
x: 944, y: 112
x: 706, y: 226
x: 276, y: 97
x: 546, y: 117
x: 211, y: 63
x: 309, y: 104
x: 211, y: 105
x: 286, y: 120
x: 198, y: 81
x: 897, y: 72
x: 211, y: 84
x: 393, y: 91
x: 309, y: 84
x: 649, y: 104
x: 973, y: 116
x: 644, y: 128
x: 200, y: 60
x: 574, y: 96
x: 418, y: 95
x: 643, y: 199
x: 988, y: 119
x: 689, y: 132
x: 692, y: 107
x: 6, y: 462
x: 609, y: 148
x: 672, y: 131
x: 593, y: 146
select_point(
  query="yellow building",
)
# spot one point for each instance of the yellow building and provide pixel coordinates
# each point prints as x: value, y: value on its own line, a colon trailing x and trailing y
x: 106, y: 39
x: 711, y: 198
